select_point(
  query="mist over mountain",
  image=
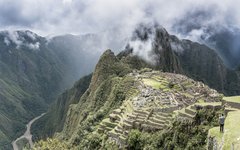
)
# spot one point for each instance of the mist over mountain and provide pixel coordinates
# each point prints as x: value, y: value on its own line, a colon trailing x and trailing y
x: 32, y: 75
x: 85, y: 50
x: 150, y: 46
x: 203, y: 21
x: 166, y: 52
x: 100, y: 68
x: 204, y: 28
x: 74, y: 56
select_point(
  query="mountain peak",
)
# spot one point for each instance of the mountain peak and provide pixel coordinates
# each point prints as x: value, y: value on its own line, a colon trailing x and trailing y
x: 152, y: 43
x: 21, y: 38
x: 108, y: 65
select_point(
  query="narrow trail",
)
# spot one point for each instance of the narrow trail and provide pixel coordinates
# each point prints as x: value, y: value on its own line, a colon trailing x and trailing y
x: 27, y: 135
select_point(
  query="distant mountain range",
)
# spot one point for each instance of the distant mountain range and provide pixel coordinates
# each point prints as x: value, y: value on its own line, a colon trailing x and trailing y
x: 167, y: 53
x: 34, y: 70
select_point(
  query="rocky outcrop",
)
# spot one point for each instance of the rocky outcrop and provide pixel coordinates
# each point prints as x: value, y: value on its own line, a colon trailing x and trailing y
x: 195, y: 60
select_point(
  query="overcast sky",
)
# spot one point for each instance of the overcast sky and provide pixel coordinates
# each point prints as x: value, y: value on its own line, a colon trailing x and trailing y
x: 47, y: 17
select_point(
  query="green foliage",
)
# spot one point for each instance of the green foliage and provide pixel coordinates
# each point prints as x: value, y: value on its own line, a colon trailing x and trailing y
x: 92, y: 142
x: 110, y: 86
x: 113, y: 91
x: 181, y: 135
x: 134, y: 140
x: 51, y: 144
x: 30, y: 80
x: 54, y: 120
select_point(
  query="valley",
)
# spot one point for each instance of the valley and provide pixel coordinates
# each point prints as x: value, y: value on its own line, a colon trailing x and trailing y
x: 119, y: 75
x: 26, y: 136
x: 125, y: 93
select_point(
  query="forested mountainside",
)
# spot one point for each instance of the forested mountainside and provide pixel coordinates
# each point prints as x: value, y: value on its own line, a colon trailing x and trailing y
x: 33, y: 72
x: 54, y: 120
x: 120, y: 98
x: 169, y: 54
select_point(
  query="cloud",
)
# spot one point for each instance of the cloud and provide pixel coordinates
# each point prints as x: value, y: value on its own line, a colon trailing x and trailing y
x: 196, y: 20
x: 34, y: 46
x: 15, y: 38
x: 21, y: 38
x: 90, y: 16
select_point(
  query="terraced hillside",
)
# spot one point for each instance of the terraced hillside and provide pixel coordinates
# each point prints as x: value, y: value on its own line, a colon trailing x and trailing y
x: 160, y: 96
x: 121, y: 100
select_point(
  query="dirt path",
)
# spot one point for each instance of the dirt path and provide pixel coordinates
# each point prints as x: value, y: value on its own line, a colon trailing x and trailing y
x: 27, y: 135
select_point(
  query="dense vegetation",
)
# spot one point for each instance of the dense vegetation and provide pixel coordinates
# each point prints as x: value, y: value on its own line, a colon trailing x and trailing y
x: 81, y: 108
x: 30, y: 80
x: 181, y: 135
x: 110, y: 86
x: 54, y: 120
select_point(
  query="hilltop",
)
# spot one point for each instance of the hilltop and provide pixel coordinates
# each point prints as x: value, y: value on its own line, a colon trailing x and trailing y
x: 121, y: 101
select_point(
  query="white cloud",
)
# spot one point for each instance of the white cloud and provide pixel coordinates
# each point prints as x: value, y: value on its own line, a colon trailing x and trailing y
x: 90, y: 16
x: 31, y: 35
x: 19, y: 41
x: 116, y: 19
x: 143, y: 49
x: 87, y: 16
x: 33, y: 46
x: 15, y: 38
x: 6, y: 41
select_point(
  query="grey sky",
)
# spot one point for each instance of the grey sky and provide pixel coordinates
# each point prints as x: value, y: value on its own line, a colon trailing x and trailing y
x: 89, y: 16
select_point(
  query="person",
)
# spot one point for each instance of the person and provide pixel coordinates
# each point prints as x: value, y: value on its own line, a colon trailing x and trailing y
x: 221, y: 122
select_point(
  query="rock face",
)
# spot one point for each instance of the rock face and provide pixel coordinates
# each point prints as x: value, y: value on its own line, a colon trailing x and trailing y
x: 189, y: 58
x: 120, y: 99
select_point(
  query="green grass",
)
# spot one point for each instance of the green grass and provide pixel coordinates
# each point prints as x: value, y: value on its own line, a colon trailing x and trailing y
x: 108, y: 123
x: 200, y: 101
x: 154, y: 84
x: 232, y: 128
x: 210, y: 103
x: 188, y: 95
x: 235, y: 99
x: 214, y: 132
x: 231, y: 134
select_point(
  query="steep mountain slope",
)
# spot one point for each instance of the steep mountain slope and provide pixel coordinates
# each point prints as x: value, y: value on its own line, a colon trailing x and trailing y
x: 54, y: 120
x: 168, y: 54
x: 32, y: 74
x: 195, y: 60
x: 35, y: 69
x: 223, y: 38
x: 120, y: 99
